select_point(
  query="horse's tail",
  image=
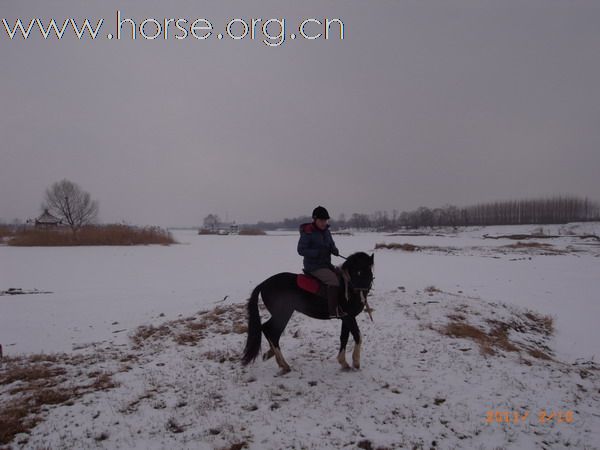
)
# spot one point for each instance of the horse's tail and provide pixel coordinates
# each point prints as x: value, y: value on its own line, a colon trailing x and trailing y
x: 253, y: 340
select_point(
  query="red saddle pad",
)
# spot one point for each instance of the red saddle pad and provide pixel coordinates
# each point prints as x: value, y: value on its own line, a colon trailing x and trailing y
x: 307, y: 283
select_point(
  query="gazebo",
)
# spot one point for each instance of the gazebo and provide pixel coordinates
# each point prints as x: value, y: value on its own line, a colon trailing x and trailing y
x: 47, y: 220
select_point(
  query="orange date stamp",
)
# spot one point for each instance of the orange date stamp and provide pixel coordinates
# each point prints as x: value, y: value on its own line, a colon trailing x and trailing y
x: 517, y: 417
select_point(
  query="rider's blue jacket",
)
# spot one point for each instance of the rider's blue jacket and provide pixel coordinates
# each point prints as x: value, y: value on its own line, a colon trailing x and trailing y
x: 316, y: 246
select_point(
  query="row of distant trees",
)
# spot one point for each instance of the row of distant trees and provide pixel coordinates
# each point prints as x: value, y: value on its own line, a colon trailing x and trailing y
x: 560, y: 209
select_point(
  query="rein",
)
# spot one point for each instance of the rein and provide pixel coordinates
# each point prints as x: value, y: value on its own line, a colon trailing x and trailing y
x: 363, y: 297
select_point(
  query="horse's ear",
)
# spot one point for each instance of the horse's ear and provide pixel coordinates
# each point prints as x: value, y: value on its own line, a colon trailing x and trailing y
x: 372, y: 258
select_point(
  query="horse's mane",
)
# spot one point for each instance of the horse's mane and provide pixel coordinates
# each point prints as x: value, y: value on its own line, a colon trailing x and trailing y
x: 359, y: 259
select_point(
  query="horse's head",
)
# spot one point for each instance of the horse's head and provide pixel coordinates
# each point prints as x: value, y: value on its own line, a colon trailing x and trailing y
x: 359, y: 267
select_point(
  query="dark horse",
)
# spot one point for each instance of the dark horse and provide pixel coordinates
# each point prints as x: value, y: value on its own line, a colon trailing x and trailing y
x: 282, y: 296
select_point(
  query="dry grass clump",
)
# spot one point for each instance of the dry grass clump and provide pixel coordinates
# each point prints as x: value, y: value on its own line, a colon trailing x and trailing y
x: 6, y: 231
x: 465, y: 330
x: 29, y: 373
x: 174, y: 427
x: 240, y: 327
x: 187, y: 338
x: 366, y: 444
x: 497, y: 337
x: 15, y: 418
x: 537, y: 353
x: 487, y: 341
x: 38, y: 381
x: 145, y: 332
x: 418, y: 248
x: 529, y: 245
x: 456, y: 317
x: 431, y: 289
x: 134, y: 405
x: 529, y: 322
x: 220, y: 356
x: 115, y: 234
x: 221, y: 320
x: 103, y: 382
x: 47, y: 357
x: 235, y: 446
x: 191, y: 330
x: 540, y: 322
x: 53, y: 396
x: 251, y: 232
x: 396, y: 246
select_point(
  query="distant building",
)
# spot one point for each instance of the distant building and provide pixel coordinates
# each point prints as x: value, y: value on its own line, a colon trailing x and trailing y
x: 234, y: 228
x: 47, y: 220
x: 221, y: 228
x: 224, y: 228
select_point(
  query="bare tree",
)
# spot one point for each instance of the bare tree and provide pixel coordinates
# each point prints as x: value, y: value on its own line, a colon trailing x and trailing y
x: 68, y: 201
x: 211, y: 222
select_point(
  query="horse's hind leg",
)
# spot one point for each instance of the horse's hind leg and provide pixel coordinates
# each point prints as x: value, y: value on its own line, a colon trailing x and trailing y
x: 268, y: 354
x: 273, y: 328
x: 267, y: 326
x: 281, y: 362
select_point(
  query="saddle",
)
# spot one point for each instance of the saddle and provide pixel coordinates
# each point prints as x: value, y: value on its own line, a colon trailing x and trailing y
x: 312, y: 284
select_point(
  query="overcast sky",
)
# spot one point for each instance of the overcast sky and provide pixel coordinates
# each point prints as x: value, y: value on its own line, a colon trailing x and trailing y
x: 422, y: 103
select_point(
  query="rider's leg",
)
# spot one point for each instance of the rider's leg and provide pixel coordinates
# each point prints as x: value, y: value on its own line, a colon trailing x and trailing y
x: 330, y: 279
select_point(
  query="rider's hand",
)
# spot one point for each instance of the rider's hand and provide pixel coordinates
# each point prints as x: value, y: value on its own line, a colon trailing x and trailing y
x: 335, y: 252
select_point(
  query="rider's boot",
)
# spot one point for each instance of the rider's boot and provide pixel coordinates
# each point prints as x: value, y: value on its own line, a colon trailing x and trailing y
x: 335, y: 312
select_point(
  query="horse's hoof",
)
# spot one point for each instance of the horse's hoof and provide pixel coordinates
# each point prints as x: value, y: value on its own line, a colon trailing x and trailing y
x: 283, y: 371
x: 268, y: 355
x: 344, y: 364
x: 346, y: 368
x: 356, y: 366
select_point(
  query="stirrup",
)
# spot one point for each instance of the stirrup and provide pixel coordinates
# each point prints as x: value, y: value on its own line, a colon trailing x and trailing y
x: 339, y: 313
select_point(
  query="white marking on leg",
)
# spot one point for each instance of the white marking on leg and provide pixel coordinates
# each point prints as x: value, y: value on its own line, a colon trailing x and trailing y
x: 276, y: 353
x: 285, y: 368
x: 268, y: 354
x: 342, y: 359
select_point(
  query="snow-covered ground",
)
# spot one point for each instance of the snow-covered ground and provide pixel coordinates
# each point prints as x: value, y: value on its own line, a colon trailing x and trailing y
x: 417, y: 386
x: 103, y: 293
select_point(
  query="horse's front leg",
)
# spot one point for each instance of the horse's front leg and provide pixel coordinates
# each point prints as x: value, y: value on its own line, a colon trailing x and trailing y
x: 353, y: 326
x: 344, y: 335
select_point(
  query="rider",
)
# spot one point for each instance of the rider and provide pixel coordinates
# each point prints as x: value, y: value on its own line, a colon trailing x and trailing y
x: 317, y: 246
